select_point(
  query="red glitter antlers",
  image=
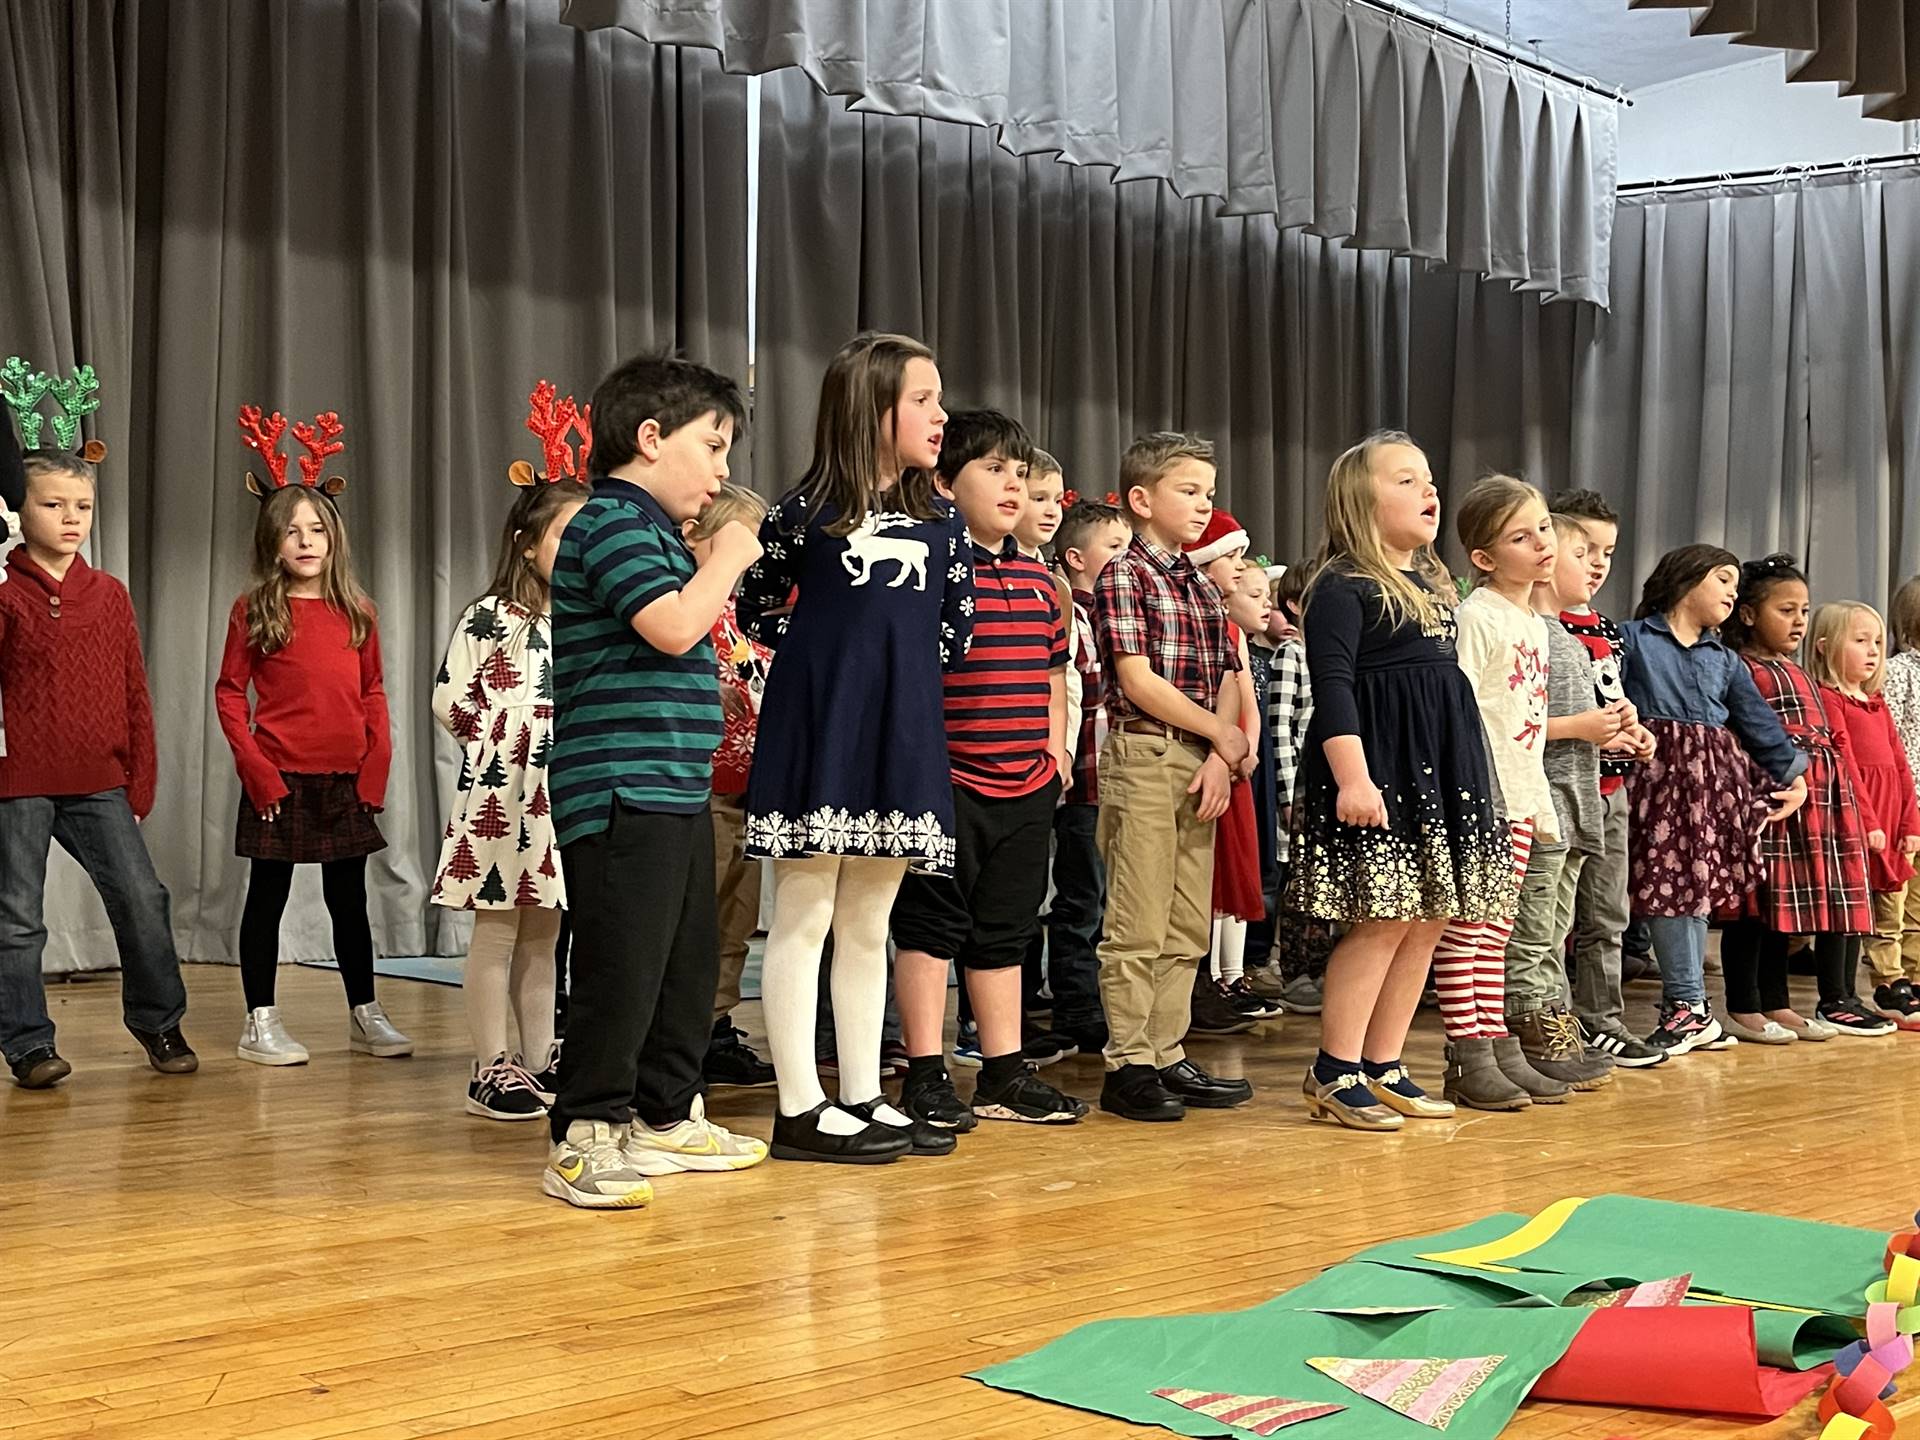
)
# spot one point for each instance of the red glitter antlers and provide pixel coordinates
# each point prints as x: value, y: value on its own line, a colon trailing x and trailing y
x: 554, y: 420
x: 319, y: 437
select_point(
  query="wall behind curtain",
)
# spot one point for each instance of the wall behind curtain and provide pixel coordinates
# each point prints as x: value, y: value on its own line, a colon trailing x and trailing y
x: 406, y: 211
x: 1092, y: 310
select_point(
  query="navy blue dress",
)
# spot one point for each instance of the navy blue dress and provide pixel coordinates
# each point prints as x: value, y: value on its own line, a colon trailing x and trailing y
x: 851, y: 756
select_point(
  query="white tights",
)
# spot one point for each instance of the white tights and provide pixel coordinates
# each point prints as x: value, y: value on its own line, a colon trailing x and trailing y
x: 1229, y: 948
x: 853, y: 897
x: 511, y: 958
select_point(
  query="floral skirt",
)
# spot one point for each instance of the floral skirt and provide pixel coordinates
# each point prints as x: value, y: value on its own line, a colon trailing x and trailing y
x: 1694, y: 848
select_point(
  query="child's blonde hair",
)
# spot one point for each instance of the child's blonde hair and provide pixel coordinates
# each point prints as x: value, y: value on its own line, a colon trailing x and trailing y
x: 734, y: 502
x: 1353, y: 539
x: 1486, y: 511
x: 1903, y: 616
x: 1830, y: 625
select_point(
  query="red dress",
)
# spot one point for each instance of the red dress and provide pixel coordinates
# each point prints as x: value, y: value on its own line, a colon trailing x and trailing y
x: 1887, y: 801
x: 1236, y: 847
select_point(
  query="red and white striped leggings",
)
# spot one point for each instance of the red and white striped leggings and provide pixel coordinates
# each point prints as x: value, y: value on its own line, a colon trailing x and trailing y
x: 1470, y: 963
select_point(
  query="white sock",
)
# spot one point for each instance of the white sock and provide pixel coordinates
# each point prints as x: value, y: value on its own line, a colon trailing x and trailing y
x: 803, y: 899
x: 1229, y: 949
x: 489, y: 959
x: 862, y: 911
x: 885, y: 1114
x: 531, y: 981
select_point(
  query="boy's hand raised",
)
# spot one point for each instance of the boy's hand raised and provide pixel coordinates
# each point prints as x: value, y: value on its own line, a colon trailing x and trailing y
x: 734, y: 547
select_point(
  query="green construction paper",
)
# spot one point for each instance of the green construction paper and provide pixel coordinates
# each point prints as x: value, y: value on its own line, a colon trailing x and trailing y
x: 1357, y: 1288
x: 1112, y: 1366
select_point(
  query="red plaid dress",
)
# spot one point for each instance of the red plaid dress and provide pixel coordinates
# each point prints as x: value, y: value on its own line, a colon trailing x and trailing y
x: 1813, y: 865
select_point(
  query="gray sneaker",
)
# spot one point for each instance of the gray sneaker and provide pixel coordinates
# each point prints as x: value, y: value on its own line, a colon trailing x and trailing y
x: 590, y: 1169
x: 370, y: 1032
x: 1301, y: 995
x: 264, y: 1040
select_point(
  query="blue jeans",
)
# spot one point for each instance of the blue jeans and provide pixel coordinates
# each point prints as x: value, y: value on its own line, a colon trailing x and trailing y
x: 1681, y: 943
x: 99, y: 831
x: 1073, y: 925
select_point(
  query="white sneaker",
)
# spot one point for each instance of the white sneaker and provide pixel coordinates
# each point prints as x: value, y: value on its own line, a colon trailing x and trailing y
x: 590, y: 1170
x: 696, y: 1143
x: 264, y: 1040
x: 370, y: 1032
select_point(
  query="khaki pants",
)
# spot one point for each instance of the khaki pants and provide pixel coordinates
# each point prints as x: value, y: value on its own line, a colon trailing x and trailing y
x: 736, y: 892
x: 1894, y: 947
x: 1159, y: 922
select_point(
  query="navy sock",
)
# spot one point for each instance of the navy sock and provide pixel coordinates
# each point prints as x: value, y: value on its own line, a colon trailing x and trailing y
x: 1377, y: 1070
x: 1329, y: 1068
x: 998, y: 1070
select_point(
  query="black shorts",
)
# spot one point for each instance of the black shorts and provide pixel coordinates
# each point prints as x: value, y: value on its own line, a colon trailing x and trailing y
x: 987, y: 913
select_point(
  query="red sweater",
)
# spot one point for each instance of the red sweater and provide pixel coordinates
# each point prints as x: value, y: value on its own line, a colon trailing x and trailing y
x: 319, y: 705
x: 78, y: 717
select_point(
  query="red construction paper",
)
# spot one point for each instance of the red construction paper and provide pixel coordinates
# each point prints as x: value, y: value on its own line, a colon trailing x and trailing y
x: 1700, y: 1358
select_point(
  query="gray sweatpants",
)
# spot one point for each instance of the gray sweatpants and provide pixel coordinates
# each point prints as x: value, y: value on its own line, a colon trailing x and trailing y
x: 1593, y: 901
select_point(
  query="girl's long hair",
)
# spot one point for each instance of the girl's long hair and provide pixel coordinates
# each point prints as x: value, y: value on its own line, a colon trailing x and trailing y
x: 534, y: 509
x: 269, y: 615
x: 1353, y: 540
x: 1487, y: 510
x: 1677, y: 573
x: 1828, y: 630
x: 860, y: 389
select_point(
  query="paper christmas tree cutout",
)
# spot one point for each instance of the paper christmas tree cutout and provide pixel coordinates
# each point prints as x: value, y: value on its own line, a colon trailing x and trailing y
x: 1652, y: 1294
x: 1259, y: 1414
x: 1429, y: 1390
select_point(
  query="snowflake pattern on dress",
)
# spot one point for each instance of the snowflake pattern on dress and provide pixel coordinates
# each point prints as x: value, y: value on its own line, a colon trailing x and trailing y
x: 835, y: 832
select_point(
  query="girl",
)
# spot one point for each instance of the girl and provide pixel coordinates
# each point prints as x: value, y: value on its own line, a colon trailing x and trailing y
x: 1897, y: 972
x: 494, y: 695
x: 1303, y: 943
x: 1696, y: 818
x: 1813, y: 865
x: 1510, y: 541
x: 1847, y: 645
x: 313, y: 761
x: 850, y: 781
x: 1396, y: 834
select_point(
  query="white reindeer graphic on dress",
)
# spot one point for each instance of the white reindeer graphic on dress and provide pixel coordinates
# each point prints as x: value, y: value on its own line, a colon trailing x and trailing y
x: 867, y: 547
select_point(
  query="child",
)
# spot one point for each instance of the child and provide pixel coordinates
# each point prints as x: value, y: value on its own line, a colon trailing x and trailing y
x: 1396, y: 832
x: 78, y: 768
x: 637, y: 720
x: 1222, y: 1002
x: 313, y: 753
x: 1302, y: 942
x: 743, y: 666
x: 1696, y: 818
x: 1503, y: 647
x: 1894, y: 992
x: 494, y: 695
x: 1166, y: 773
x: 1006, y: 738
x: 850, y: 782
x: 1848, y: 641
x: 1813, y: 865
x: 1091, y: 536
x: 1596, y: 885
x: 1256, y: 582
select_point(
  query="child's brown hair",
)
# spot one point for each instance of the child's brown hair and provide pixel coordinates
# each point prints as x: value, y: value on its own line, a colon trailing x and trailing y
x: 1484, y: 512
x: 269, y: 615
x: 1148, y: 459
x: 1903, y: 617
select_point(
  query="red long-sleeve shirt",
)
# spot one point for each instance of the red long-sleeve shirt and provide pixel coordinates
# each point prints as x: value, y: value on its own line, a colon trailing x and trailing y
x: 320, y: 707
x: 78, y: 716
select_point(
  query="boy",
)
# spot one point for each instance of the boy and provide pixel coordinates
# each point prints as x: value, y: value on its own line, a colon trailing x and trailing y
x: 743, y: 671
x: 1091, y: 536
x: 1598, y: 883
x: 1006, y: 707
x: 1173, y: 742
x: 78, y: 768
x: 637, y: 719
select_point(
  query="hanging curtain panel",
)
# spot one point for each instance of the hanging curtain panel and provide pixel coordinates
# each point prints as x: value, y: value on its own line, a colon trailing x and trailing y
x: 407, y: 212
x: 1335, y: 117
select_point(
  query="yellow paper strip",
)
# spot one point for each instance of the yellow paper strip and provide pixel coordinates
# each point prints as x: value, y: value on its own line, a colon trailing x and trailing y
x: 1530, y: 1236
x: 1846, y: 1427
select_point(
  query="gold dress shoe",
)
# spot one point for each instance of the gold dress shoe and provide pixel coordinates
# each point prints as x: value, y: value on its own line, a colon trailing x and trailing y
x: 1321, y: 1104
x: 1417, y: 1107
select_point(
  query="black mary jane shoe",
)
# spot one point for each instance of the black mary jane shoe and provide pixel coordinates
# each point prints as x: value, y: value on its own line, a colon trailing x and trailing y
x: 1191, y: 1085
x: 925, y: 1139
x: 799, y: 1137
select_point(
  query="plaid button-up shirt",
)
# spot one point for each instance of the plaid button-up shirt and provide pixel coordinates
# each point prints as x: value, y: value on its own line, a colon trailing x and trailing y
x: 1155, y: 603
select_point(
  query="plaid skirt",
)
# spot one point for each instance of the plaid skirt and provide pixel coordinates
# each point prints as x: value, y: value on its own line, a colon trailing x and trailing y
x: 1813, y: 864
x: 1694, y: 847
x: 320, y: 820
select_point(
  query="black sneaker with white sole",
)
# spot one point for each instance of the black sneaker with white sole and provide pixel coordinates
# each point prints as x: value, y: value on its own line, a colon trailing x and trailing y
x: 1850, y: 1017
x: 935, y: 1101
x: 733, y: 1064
x: 1623, y: 1049
x: 1026, y: 1097
x: 503, y: 1091
x: 1049, y: 1047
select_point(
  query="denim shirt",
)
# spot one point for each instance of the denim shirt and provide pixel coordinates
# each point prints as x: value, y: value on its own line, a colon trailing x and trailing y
x: 1704, y: 684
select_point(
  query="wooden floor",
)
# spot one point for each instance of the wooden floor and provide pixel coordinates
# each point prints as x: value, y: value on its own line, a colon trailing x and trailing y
x: 339, y: 1251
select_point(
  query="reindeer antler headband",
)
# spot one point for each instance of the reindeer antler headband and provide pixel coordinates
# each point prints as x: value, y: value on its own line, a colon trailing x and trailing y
x: 553, y: 420
x: 23, y: 388
x: 319, y: 437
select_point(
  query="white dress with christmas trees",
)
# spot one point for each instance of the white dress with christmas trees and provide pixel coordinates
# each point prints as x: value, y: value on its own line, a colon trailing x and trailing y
x: 494, y: 695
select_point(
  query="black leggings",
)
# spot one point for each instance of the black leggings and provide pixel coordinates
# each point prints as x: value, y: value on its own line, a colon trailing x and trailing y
x: 344, y: 883
x: 1755, y: 959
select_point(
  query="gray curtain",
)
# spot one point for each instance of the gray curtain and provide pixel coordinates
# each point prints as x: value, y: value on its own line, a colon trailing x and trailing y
x: 1334, y: 116
x: 1091, y: 310
x: 405, y: 210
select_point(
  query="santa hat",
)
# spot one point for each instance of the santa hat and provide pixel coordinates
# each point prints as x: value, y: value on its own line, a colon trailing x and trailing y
x: 1223, y: 536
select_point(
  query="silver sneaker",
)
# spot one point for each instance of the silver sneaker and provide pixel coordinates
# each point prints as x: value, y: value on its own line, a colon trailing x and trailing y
x: 370, y: 1032
x: 264, y: 1040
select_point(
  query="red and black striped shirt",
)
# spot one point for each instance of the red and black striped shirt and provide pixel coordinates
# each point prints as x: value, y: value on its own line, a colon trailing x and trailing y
x: 997, y: 698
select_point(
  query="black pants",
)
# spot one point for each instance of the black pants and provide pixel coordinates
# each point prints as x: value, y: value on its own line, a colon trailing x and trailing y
x: 645, y: 963
x: 987, y: 914
x: 1755, y: 960
x: 343, y: 883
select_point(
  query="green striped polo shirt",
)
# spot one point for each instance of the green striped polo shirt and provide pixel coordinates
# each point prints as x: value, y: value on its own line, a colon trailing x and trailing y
x: 630, y: 723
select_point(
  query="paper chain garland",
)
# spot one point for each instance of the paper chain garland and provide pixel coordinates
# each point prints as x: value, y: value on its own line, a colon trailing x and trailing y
x: 23, y: 388
x: 1854, y: 1405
